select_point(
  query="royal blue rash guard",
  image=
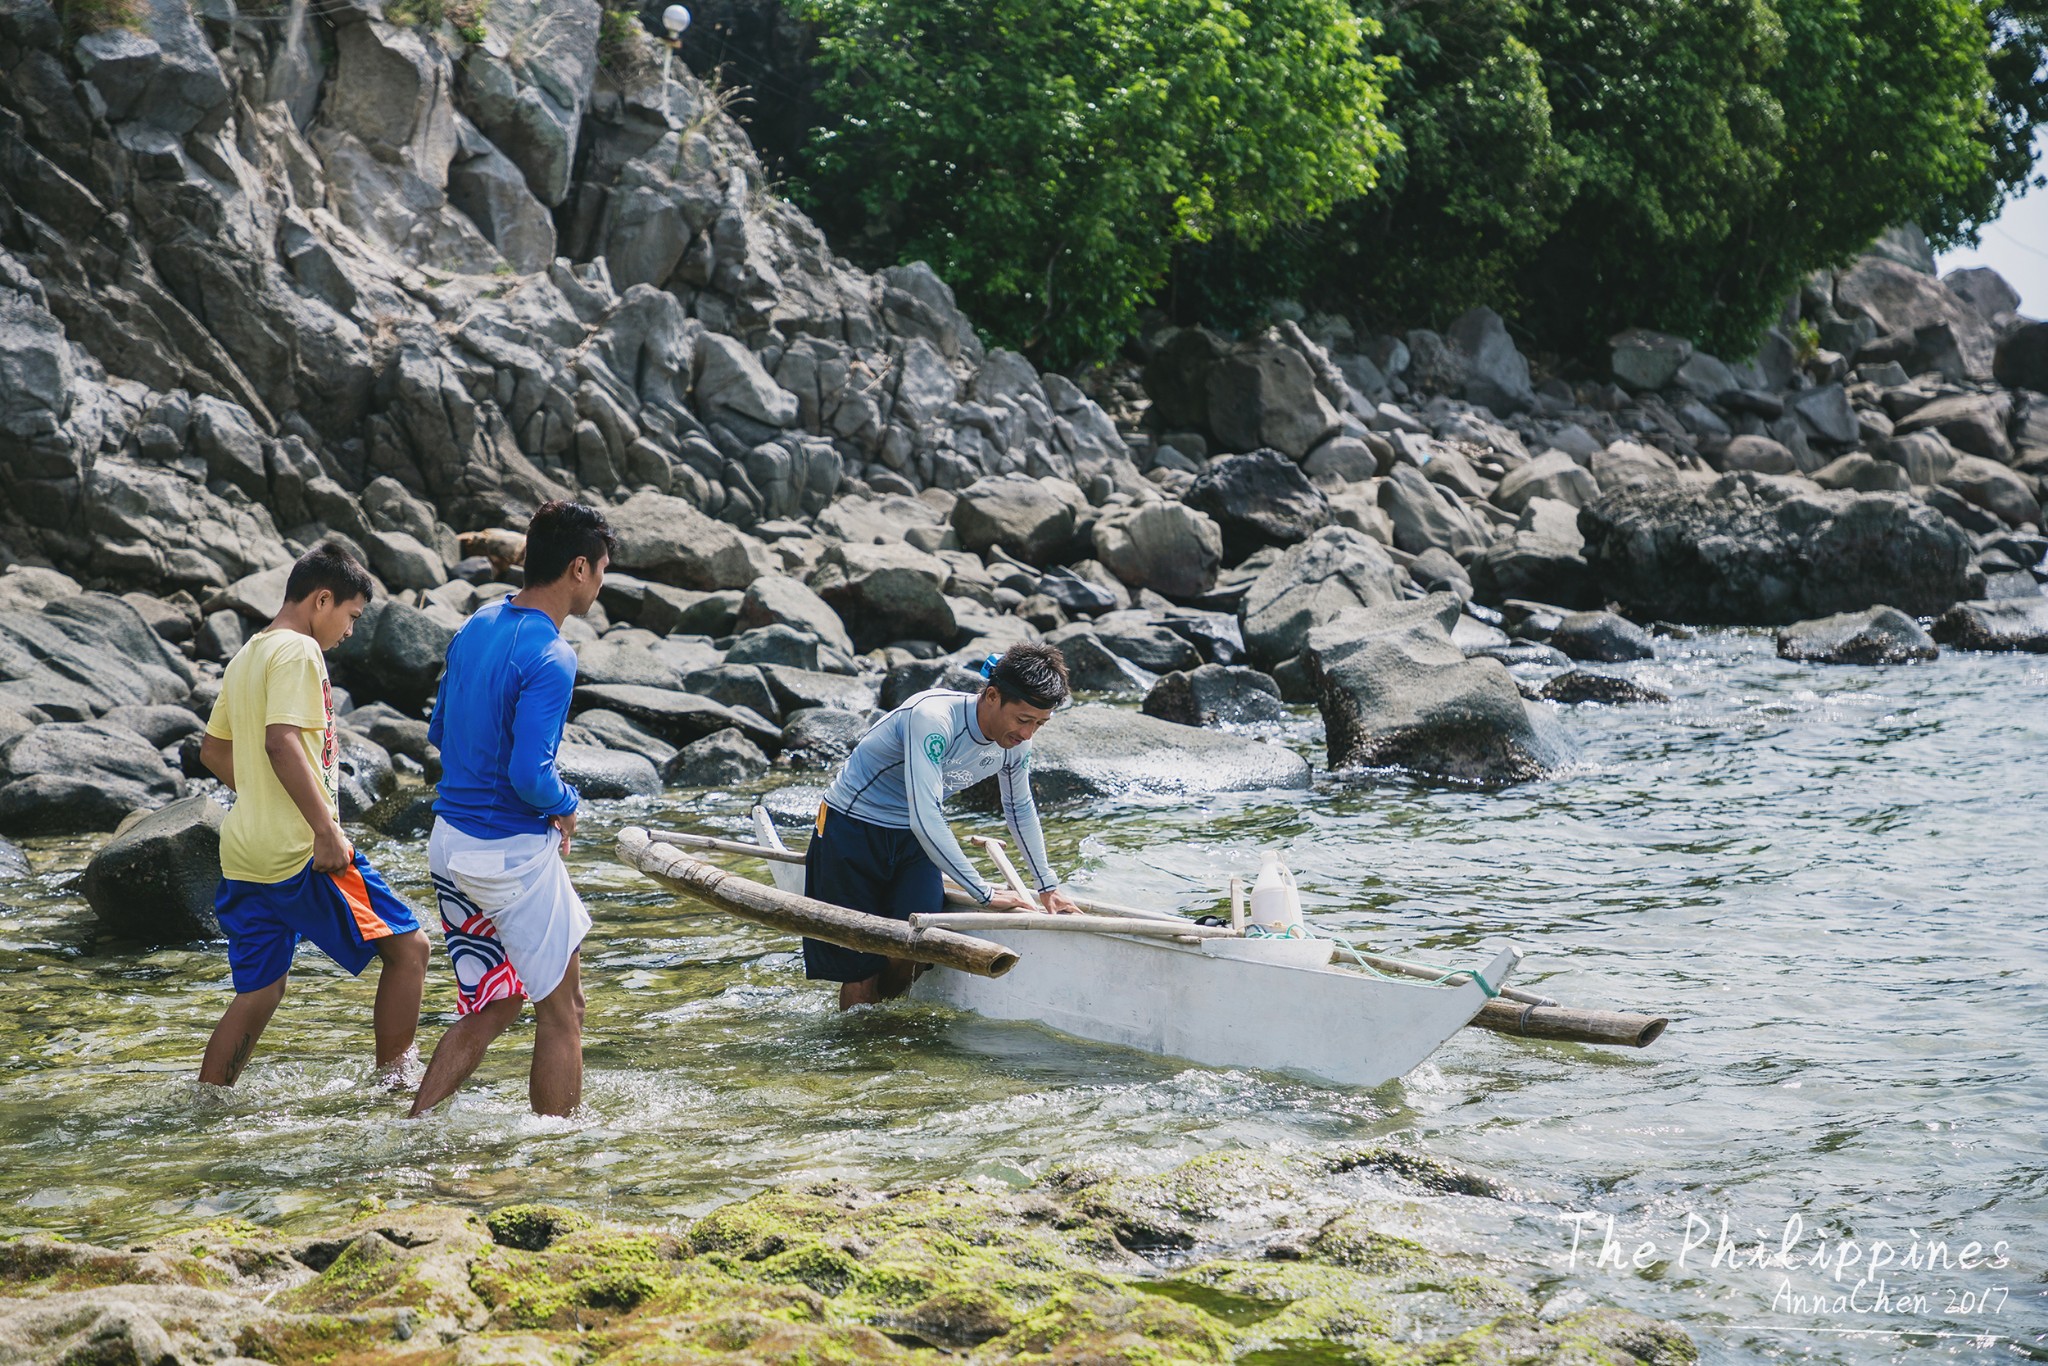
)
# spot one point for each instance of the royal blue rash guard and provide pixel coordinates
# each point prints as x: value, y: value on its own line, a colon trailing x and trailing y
x: 498, y: 721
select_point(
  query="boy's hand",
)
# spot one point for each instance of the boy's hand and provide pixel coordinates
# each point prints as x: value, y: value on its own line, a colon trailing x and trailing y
x: 331, y: 850
x: 567, y: 825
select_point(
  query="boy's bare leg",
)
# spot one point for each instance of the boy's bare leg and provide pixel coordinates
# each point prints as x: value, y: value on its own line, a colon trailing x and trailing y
x: 460, y: 1050
x: 556, y: 1084
x: 400, y: 983
x: 234, y: 1038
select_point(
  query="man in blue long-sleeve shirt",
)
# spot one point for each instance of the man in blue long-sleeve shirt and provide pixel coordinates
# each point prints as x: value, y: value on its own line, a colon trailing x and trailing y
x: 503, y: 817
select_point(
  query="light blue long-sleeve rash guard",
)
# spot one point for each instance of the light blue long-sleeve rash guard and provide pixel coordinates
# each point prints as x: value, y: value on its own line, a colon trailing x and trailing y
x: 923, y: 752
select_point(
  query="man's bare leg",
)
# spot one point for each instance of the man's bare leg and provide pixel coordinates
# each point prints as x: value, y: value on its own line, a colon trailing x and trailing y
x: 892, y: 981
x: 460, y: 1050
x: 234, y: 1038
x: 400, y: 982
x: 555, y: 1086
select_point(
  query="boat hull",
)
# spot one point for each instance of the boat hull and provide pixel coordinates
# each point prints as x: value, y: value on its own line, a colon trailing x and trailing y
x: 1219, y: 1006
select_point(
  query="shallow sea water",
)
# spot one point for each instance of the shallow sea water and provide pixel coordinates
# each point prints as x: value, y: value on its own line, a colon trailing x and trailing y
x: 1830, y: 879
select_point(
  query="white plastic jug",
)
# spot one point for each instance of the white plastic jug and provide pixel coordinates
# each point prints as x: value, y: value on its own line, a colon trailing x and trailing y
x: 1276, y: 905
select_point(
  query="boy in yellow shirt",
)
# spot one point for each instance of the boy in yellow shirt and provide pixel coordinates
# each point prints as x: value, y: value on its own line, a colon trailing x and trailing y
x: 287, y: 870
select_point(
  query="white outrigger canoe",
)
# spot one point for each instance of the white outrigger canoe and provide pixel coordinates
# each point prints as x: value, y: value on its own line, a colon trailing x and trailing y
x: 1148, y: 980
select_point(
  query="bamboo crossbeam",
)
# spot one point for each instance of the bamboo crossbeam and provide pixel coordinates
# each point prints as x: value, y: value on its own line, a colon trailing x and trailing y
x: 728, y: 891
x: 1072, y: 924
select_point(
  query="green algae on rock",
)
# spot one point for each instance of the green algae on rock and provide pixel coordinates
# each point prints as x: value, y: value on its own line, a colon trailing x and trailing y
x: 827, y: 1274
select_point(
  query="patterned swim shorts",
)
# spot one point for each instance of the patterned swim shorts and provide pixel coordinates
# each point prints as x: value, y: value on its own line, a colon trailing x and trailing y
x: 483, y: 973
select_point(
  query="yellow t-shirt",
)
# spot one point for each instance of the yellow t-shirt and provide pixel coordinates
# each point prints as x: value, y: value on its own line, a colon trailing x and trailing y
x: 279, y: 678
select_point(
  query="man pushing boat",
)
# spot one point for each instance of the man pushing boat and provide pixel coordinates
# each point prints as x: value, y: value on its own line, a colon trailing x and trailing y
x: 882, y: 843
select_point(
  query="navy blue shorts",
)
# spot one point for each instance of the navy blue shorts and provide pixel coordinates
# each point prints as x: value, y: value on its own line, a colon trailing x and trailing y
x: 344, y: 913
x: 870, y: 868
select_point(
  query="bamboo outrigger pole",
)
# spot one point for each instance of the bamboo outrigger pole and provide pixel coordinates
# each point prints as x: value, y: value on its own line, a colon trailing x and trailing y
x: 728, y: 891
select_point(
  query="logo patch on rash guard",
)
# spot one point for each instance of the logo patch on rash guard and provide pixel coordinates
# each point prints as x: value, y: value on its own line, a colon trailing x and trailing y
x: 935, y: 748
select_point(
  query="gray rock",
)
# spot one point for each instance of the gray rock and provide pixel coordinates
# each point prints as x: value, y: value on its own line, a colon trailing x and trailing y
x: 821, y: 737
x: 485, y: 185
x: 886, y: 593
x: 1093, y: 667
x: 679, y: 611
x: 364, y: 774
x: 1343, y: 457
x: 1093, y: 752
x: 1759, y: 454
x: 403, y: 562
x: 1263, y: 394
x: 1537, y: 567
x: 1860, y: 472
x: 407, y: 814
x: 1602, y: 637
x: 1985, y: 290
x: 1825, y: 413
x: 160, y: 725
x: 1496, y: 375
x: 2010, y: 624
x: 1334, y: 570
x: 877, y: 521
x: 735, y: 685
x: 1425, y: 515
x: 1077, y: 596
x: 221, y: 636
x: 1138, y: 637
x: 1578, y: 685
x: 13, y: 862
x: 1396, y: 692
x: 1627, y: 463
x: 731, y: 381
x: 669, y: 541
x: 2022, y: 358
x: 677, y: 717
x: 1258, y: 499
x: 395, y: 655
x: 1903, y: 302
x: 1167, y: 547
x: 725, y: 758
x: 1972, y: 423
x: 1877, y: 635
x: 802, y: 689
x: 907, y: 680
x: 163, y: 73
x: 1753, y: 550
x: 777, y: 600
x: 1998, y: 490
x: 618, y: 733
x: 155, y: 881
x: 1032, y: 519
x: 1642, y: 359
x: 69, y: 777
x: 1215, y: 695
x: 1926, y: 457
x: 604, y: 774
x: 624, y: 661
x: 1553, y: 475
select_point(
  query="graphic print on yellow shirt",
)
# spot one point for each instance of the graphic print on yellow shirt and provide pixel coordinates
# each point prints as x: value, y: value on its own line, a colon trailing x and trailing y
x: 278, y: 679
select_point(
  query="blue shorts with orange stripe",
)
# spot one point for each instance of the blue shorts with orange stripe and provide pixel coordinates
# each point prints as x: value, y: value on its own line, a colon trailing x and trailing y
x: 344, y: 914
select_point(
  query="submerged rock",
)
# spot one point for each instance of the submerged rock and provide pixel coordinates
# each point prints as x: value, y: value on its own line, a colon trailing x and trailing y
x: 2009, y: 624
x: 1578, y: 685
x: 1396, y: 692
x: 1881, y: 635
x: 155, y: 881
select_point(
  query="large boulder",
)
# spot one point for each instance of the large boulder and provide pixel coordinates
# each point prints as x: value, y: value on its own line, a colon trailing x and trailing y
x: 722, y: 759
x: 69, y: 777
x: 1973, y: 423
x: 1170, y: 548
x: 601, y: 774
x: 1996, y: 489
x: 1032, y: 519
x: 1496, y: 375
x: 1601, y: 637
x: 1920, y: 316
x: 1552, y: 475
x: 1264, y: 394
x: 395, y: 655
x: 2022, y: 359
x: 2005, y: 624
x: 1427, y: 515
x: 730, y: 382
x: 1092, y: 752
x: 886, y: 593
x: 820, y: 737
x: 154, y: 882
x: 677, y: 717
x: 1258, y: 499
x: 668, y: 540
x: 1535, y: 568
x: 1335, y: 570
x: 1642, y: 359
x: 1141, y: 638
x: 778, y: 600
x: 1396, y: 692
x: 1215, y: 695
x: 1752, y: 550
x: 1877, y: 635
x: 1092, y: 667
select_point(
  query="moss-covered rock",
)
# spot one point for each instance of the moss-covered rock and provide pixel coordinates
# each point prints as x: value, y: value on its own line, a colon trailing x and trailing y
x: 830, y: 1274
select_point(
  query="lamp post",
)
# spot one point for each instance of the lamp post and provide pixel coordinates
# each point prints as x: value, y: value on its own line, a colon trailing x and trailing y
x: 674, y: 20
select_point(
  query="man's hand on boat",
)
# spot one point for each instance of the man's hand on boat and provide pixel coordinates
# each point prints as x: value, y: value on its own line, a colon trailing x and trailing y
x: 1052, y: 901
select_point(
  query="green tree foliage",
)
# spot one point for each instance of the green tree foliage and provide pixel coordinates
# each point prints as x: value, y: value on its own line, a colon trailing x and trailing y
x: 1046, y: 155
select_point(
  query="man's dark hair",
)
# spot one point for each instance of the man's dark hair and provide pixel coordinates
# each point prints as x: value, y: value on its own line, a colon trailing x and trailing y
x: 559, y: 534
x: 330, y: 566
x: 1036, y: 674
